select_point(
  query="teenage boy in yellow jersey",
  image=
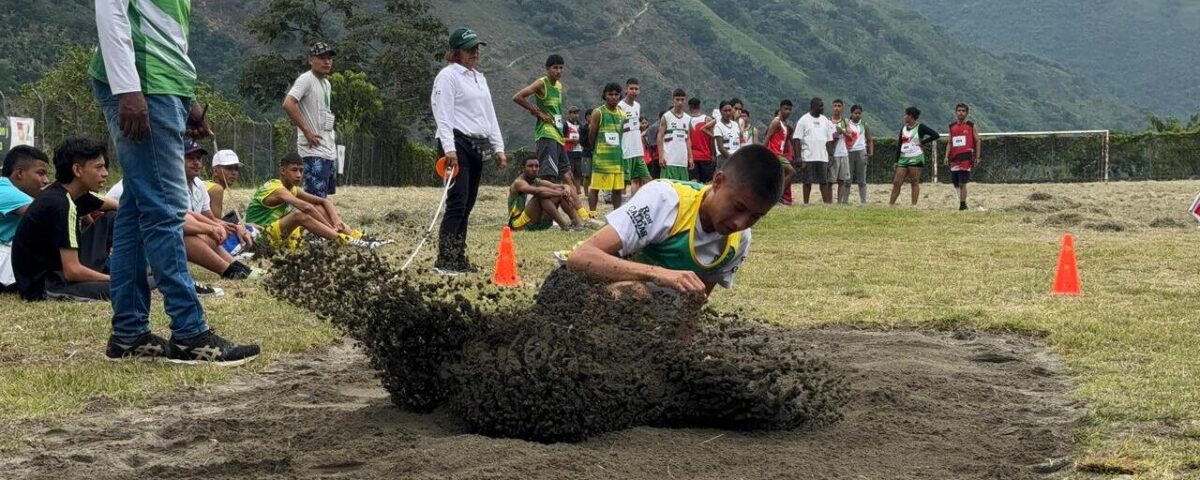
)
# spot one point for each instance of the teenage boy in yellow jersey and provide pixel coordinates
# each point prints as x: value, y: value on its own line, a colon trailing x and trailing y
x: 549, y: 131
x: 605, y: 132
x: 533, y: 202
x: 283, y: 210
x: 683, y: 235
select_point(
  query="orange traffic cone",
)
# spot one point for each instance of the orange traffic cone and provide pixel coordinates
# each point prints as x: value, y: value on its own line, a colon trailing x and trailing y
x: 1066, y: 281
x: 506, y: 261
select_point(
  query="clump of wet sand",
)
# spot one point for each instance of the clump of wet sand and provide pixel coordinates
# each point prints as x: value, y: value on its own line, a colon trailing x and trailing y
x: 571, y: 364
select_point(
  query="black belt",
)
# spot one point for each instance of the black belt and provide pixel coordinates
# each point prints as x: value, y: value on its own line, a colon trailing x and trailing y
x: 481, y: 143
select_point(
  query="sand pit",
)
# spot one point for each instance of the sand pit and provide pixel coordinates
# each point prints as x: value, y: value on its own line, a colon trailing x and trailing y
x: 920, y: 405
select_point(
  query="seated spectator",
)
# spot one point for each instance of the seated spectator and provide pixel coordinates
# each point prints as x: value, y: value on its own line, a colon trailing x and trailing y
x: 541, y: 211
x: 284, y: 211
x: 46, y: 245
x: 25, y: 174
x: 225, y: 169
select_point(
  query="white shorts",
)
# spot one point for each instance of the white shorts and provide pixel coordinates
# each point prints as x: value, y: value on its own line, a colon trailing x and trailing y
x: 6, y: 272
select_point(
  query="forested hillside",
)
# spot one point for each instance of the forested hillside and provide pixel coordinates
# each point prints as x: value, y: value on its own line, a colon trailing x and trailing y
x: 1142, y: 50
x: 869, y: 52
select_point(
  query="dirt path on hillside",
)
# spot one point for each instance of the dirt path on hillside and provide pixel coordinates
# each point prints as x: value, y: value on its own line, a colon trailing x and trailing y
x: 620, y: 31
x: 922, y: 405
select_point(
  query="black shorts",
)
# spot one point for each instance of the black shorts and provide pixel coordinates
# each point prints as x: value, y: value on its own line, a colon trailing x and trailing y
x: 552, y: 159
x: 960, y: 177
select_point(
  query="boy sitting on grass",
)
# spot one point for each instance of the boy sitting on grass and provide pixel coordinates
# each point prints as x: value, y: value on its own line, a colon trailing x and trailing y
x: 284, y: 211
x: 541, y: 211
x: 683, y: 235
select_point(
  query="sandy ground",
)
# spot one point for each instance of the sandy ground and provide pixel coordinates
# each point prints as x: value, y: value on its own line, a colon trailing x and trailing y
x: 923, y: 405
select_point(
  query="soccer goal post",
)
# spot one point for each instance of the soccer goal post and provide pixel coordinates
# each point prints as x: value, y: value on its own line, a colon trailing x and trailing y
x: 1052, y: 156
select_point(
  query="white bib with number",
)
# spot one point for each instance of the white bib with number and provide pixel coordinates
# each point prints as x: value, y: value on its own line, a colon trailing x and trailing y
x: 612, y: 138
x: 958, y: 141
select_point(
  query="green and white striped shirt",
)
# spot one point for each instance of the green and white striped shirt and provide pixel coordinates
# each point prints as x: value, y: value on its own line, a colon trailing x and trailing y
x: 143, y: 47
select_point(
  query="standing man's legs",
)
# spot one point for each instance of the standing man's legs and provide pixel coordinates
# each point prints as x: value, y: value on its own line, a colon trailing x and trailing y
x: 317, y: 174
x: 149, y: 224
x: 858, y: 174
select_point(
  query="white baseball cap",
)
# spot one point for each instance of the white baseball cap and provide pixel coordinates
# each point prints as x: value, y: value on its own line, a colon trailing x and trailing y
x: 225, y: 158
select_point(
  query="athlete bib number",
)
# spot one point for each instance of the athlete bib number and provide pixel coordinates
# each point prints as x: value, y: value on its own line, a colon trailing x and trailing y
x: 958, y: 141
x: 558, y: 122
x: 612, y: 138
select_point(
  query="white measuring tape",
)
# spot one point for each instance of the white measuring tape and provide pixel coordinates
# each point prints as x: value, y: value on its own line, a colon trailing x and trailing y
x: 449, y: 182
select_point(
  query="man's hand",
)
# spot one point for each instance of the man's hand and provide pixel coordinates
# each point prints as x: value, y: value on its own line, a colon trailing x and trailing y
x: 975, y: 161
x: 501, y: 160
x: 685, y: 281
x: 218, y: 233
x: 244, y: 236
x: 544, y: 117
x: 197, y: 123
x: 313, y: 139
x: 133, y: 115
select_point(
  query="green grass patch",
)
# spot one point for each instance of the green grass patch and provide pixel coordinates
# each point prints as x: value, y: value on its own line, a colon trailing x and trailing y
x: 1129, y: 340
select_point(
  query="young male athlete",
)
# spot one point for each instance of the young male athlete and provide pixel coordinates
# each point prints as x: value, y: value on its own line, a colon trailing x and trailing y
x: 605, y: 133
x: 683, y: 235
x: 862, y: 145
x: 910, y: 158
x: 533, y: 202
x: 579, y: 170
x: 636, y: 173
x: 749, y: 131
x: 813, y: 141
x: 548, y: 131
x: 778, y: 142
x: 839, y: 166
x: 284, y: 211
x: 701, y: 143
x: 963, y: 154
x: 727, y: 134
x: 674, y: 144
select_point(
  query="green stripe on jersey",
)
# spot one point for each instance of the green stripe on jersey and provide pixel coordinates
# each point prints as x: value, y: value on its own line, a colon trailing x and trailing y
x: 159, y: 31
x: 551, y: 103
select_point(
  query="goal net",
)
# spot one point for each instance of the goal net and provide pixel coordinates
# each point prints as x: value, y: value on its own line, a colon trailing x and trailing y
x: 1035, y: 157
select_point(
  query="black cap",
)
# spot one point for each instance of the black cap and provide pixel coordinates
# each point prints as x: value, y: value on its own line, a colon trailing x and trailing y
x: 321, y: 48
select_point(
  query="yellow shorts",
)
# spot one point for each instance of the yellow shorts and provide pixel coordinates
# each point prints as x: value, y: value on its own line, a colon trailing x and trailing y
x: 523, y: 222
x: 275, y: 236
x: 607, y: 181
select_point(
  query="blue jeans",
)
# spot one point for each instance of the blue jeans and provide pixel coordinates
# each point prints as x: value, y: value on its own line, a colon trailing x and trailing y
x: 149, y: 225
x: 318, y: 176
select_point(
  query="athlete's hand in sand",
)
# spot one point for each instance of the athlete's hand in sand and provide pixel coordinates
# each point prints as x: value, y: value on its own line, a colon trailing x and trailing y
x: 682, y: 280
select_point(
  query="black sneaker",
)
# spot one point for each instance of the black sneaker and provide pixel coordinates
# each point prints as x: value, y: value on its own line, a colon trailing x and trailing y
x: 146, y: 347
x: 208, y: 348
x: 203, y: 290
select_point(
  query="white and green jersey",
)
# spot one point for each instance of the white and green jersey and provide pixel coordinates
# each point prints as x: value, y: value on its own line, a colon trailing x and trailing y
x: 675, y: 139
x: 143, y: 47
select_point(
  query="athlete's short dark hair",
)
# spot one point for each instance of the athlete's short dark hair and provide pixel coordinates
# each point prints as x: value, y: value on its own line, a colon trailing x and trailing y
x: 631, y: 81
x: 292, y: 158
x: 724, y: 103
x: 76, y: 151
x: 839, y: 101
x: 610, y: 87
x: 735, y: 101
x: 553, y: 60
x: 963, y: 106
x: 913, y: 112
x: 815, y: 100
x: 785, y: 103
x: 856, y: 108
x: 746, y: 111
x: 754, y: 167
x: 20, y: 157
x: 694, y: 102
x: 679, y: 93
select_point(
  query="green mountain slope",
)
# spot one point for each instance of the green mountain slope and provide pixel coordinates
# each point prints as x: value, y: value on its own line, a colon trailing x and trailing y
x: 866, y: 51
x: 1143, y: 50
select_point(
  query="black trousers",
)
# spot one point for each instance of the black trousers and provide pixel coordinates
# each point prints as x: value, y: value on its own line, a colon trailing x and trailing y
x: 460, y: 200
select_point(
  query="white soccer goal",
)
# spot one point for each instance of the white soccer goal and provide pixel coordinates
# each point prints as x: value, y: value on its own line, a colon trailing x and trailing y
x: 1101, y: 154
